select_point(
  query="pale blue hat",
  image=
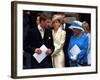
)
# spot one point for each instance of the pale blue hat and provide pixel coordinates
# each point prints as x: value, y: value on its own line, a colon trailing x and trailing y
x: 77, y: 25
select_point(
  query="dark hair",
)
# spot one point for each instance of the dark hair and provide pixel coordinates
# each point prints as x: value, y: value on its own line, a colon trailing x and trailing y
x: 44, y: 17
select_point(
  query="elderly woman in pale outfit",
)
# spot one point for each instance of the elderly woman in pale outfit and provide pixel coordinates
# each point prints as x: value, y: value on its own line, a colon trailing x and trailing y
x: 88, y: 33
x: 59, y: 39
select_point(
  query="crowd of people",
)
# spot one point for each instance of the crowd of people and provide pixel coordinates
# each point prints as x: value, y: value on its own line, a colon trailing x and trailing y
x: 68, y: 45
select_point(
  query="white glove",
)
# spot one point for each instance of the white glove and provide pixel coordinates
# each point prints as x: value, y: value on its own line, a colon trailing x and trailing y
x: 74, y: 57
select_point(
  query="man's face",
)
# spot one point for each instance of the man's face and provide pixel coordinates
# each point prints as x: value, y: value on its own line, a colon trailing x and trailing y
x: 38, y: 20
x: 45, y: 23
x: 63, y: 18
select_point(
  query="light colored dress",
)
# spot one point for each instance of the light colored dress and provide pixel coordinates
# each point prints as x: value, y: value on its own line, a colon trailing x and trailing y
x: 58, y: 54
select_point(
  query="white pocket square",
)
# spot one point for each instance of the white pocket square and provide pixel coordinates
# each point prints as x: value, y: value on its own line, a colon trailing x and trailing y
x: 49, y: 37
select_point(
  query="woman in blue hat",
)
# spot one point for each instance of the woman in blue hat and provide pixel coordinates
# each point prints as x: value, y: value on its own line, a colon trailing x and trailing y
x: 78, y: 45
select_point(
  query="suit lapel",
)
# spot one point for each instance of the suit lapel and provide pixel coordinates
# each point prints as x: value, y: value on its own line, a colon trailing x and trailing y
x: 45, y: 34
x: 39, y: 34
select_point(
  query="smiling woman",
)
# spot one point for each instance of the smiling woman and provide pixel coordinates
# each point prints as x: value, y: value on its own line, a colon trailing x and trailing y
x: 34, y: 47
x: 59, y: 34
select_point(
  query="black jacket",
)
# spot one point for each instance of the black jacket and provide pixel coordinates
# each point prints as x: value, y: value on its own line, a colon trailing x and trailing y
x: 33, y: 41
x: 69, y: 33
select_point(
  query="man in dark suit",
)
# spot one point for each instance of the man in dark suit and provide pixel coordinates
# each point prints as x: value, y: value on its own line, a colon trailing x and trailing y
x: 38, y: 36
x: 65, y: 26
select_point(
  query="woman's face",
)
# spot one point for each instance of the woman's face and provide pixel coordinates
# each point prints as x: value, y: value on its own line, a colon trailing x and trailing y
x: 76, y: 31
x: 56, y: 24
x: 86, y: 28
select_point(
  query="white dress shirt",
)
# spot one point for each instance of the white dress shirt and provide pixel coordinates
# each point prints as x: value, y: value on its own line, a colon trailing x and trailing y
x: 63, y: 26
x: 41, y: 31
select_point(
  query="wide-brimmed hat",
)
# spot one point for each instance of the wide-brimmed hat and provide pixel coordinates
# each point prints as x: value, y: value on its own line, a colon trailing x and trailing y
x: 56, y: 17
x: 76, y: 25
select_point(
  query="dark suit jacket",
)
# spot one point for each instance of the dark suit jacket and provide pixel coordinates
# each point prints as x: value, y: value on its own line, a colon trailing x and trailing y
x: 33, y: 41
x: 69, y: 33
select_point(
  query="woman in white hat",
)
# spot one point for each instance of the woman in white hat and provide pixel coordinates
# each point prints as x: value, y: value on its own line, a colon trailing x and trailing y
x: 78, y: 45
x: 59, y: 39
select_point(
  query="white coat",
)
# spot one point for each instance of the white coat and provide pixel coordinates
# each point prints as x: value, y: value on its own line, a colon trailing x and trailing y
x: 58, y: 54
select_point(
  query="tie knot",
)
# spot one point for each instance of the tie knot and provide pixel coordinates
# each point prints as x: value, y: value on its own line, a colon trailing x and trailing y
x: 41, y: 29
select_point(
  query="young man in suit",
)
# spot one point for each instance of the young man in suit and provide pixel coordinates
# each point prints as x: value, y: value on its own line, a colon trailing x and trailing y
x: 37, y: 37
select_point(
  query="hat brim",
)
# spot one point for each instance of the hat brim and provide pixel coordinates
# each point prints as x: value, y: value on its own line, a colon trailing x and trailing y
x: 56, y: 17
x: 75, y: 27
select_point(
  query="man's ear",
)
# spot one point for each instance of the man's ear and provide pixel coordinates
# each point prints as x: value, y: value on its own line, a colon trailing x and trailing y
x: 42, y: 21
